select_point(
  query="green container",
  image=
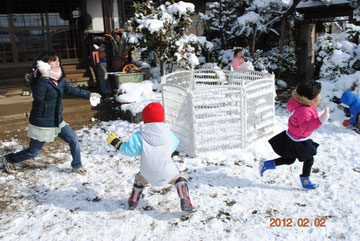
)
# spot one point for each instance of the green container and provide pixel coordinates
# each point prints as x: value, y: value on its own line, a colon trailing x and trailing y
x: 121, y: 78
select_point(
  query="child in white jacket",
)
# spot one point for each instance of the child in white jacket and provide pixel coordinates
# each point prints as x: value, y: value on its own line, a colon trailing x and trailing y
x: 155, y: 142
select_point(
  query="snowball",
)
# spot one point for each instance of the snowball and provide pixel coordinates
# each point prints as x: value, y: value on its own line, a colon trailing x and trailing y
x: 94, y: 100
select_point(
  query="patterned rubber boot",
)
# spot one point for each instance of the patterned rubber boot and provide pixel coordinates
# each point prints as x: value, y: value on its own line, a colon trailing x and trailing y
x: 306, y: 183
x: 266, y: 165
x: 183, y: 191
x: 135, y: 196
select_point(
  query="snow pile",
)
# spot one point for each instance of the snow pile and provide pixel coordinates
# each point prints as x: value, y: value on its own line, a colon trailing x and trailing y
x: 135, y: 96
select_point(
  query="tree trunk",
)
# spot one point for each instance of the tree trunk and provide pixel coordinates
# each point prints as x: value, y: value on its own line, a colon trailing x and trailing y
x: 162, y: 71
x: 253, y: 41
x: 282, y: 33
x: 283, y: 22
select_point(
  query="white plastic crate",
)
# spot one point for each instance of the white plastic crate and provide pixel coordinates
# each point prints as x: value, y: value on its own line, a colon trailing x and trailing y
x: 216, y: 110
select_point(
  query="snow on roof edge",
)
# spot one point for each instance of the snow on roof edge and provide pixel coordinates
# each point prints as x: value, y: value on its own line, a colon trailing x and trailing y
x: 309, y: 4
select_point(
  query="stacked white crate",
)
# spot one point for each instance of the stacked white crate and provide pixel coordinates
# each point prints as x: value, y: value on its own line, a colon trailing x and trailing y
x: 217, y: 110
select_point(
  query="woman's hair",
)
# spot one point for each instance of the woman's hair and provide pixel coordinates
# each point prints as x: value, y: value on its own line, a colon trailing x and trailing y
x: 236, y: 51
x: 309, y: 89
x: 49, y: 56
x: 33, y: 74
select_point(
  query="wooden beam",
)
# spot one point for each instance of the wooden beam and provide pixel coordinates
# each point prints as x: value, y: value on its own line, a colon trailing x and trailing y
x: 325, y: 12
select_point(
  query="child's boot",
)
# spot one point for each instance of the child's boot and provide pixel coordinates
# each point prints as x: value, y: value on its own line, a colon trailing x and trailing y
x: 306, y: 183
x: 265, y: 165
x: 135, y: 196
x: 183, y: 191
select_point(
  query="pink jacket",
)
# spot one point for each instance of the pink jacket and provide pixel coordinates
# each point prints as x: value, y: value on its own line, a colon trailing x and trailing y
x: 237, y: 63
x: 304, y: 120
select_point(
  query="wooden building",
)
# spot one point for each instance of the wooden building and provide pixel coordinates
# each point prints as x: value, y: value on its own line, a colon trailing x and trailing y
x: 315, y: 12
x: 28, y: 27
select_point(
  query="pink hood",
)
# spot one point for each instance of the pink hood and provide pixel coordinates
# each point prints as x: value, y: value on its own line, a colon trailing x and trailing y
x: 304, y: 119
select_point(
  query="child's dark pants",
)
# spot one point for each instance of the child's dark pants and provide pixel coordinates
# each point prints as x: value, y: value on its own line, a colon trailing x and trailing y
x: 288, y: 161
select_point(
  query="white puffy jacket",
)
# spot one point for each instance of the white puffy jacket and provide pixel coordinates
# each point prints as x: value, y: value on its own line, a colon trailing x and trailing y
x: 156, y: 143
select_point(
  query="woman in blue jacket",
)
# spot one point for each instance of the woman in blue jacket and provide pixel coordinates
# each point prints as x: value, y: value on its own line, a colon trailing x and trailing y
x: 46, y: 122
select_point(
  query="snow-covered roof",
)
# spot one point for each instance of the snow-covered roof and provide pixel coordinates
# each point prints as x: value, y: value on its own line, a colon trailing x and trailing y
x: 311, y: 4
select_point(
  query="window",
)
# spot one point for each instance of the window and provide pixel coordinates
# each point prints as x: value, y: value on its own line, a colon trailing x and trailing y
x: 28, y: 27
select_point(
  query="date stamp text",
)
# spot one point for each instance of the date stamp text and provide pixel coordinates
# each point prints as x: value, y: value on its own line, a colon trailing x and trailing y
x: 299, y: 222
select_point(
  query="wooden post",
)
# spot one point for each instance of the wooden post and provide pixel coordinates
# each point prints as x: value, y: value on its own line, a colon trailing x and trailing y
x: 307, y: 55
x: 303, y: 48
x: 310, y: 53
x: 107, y: 30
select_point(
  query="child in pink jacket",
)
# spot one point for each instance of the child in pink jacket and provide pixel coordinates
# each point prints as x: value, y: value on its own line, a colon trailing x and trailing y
x: 238, y: 61
x: 295, y: 143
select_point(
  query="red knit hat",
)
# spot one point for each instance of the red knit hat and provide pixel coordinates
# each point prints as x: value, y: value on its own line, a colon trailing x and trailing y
x: 153, y: 112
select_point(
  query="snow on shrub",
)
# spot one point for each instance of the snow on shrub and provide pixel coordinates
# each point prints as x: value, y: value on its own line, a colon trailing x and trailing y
x: 336, y: 54
x: 270, y: 61
x: 278, y: 63
x: 162, y: 32
x: 189, y: 47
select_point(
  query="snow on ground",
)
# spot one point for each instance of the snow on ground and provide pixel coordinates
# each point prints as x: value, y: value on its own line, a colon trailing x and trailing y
x: 234, y: 203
